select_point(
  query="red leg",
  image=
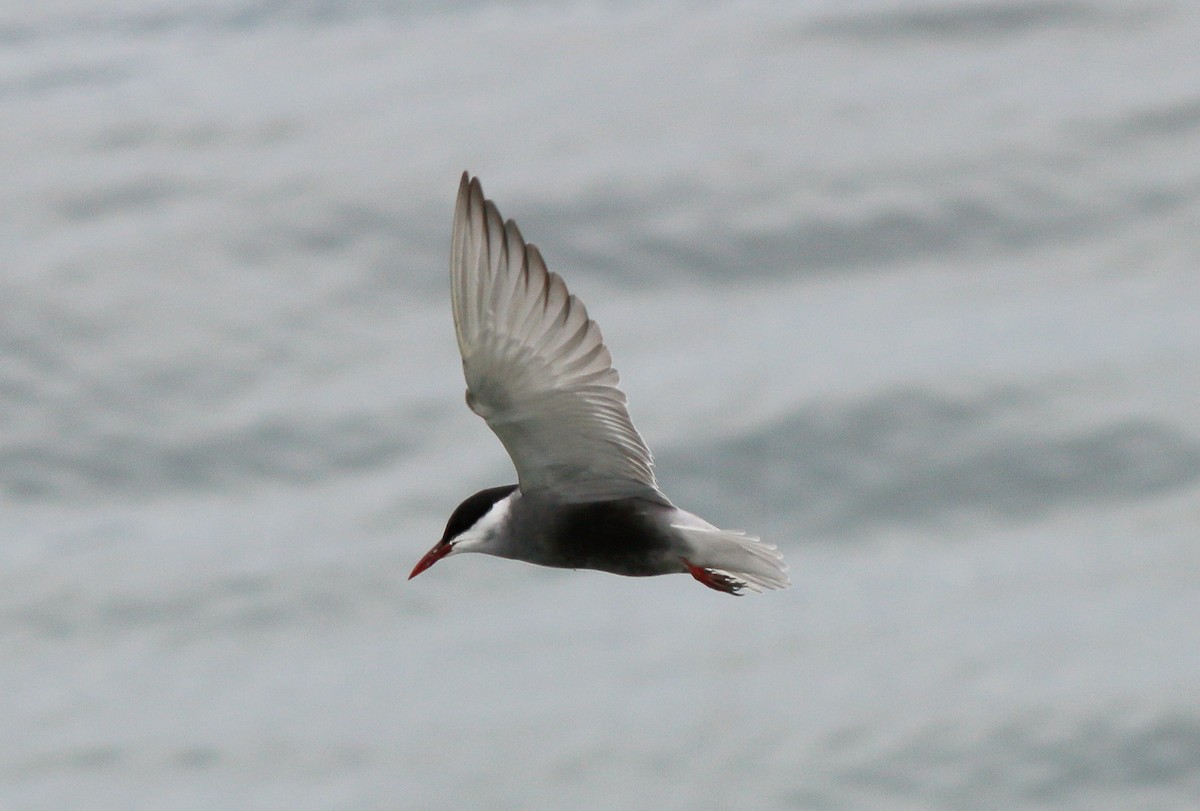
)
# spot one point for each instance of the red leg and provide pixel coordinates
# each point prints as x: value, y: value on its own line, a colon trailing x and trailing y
x: 714, y: 579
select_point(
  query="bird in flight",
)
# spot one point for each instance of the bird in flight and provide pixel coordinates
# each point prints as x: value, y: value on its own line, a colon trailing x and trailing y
x: 539, y: 374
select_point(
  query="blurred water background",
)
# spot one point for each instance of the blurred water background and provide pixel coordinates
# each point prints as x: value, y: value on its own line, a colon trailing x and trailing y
x: 910, y: 288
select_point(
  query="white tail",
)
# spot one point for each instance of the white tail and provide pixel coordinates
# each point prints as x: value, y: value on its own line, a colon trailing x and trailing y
x: 756, y: 565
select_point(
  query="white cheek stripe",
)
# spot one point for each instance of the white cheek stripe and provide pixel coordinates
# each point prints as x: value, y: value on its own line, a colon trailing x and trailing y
x: 484, y: 533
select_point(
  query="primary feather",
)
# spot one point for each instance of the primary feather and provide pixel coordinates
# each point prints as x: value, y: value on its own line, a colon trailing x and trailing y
x: 536, y: 366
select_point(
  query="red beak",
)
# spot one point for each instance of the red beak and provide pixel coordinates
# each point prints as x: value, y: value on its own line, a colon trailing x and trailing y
x: 439, y: 551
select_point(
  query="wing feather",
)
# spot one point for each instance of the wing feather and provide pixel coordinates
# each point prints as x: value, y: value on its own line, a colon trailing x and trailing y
x: 536, y: 366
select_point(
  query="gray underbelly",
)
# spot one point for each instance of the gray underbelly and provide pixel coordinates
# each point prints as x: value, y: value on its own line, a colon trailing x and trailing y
x: 622, y: 537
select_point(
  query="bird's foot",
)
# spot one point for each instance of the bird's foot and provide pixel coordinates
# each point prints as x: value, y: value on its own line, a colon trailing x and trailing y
x: 714, y: 579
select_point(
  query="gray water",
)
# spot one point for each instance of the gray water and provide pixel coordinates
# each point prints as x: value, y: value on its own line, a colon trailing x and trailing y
x: 910, y: 289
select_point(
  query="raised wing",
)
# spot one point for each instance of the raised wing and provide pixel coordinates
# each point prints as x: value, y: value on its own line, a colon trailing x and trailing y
x: 536, y: 366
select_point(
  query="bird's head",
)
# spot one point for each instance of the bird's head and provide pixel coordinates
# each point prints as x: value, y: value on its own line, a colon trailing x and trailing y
x: 471, y: 526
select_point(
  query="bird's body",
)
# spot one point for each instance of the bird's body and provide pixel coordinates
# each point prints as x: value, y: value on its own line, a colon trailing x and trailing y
x: 538, y: 372
x: 621, y: 536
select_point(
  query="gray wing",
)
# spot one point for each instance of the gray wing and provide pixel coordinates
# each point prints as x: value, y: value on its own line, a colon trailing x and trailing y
x: 536, y: 366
